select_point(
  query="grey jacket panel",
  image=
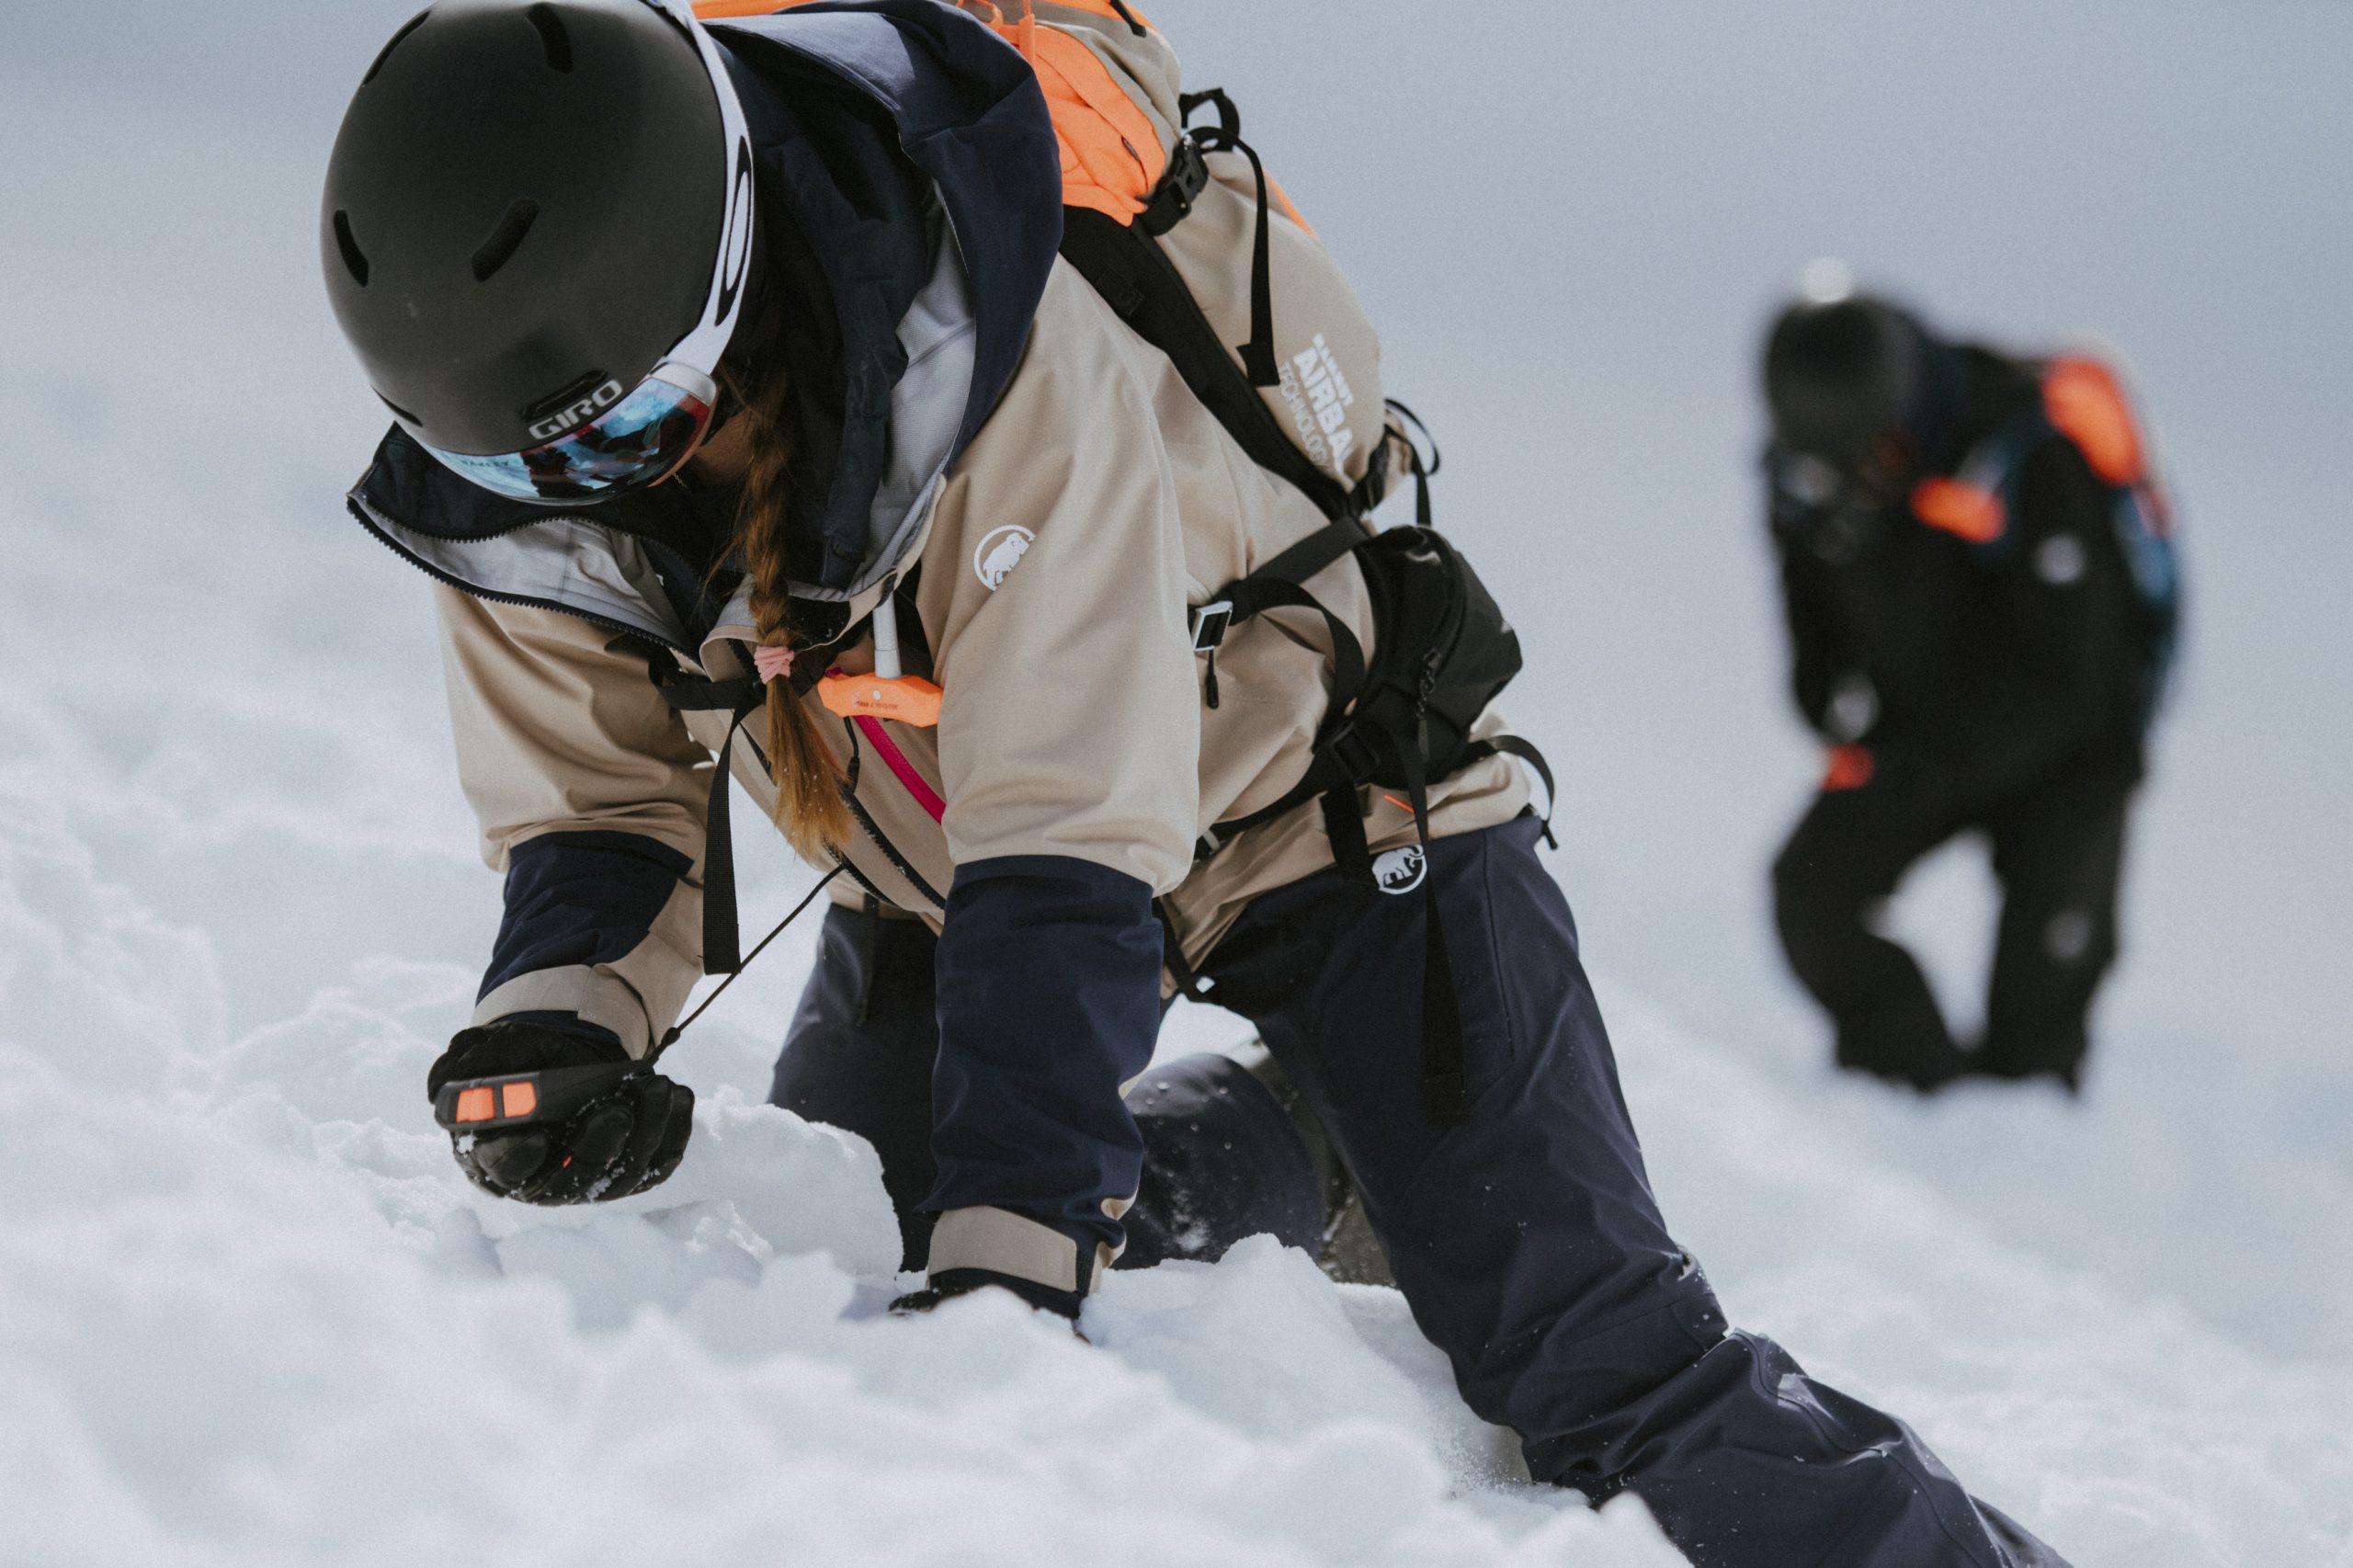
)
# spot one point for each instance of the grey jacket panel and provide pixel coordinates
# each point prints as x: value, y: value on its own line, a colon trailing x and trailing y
x: 562, y: 563
x: 927, y: 411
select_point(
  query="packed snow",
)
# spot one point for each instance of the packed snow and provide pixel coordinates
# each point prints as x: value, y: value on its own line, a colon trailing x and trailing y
x: 251, y: 1314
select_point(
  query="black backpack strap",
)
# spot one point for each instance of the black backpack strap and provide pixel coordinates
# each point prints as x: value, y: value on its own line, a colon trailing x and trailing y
x: 1126, y: 266
x: 1277, y: 583
x: 1512, y: 746
x: 1258, y: 362
x: 1348, y: 654
x: 687, y: 695
x: 1422, y: 472
x: 1344, y: 825
x: 723, y: 942
x: 1446, y: 1071
x: 1446, y: 1074
x: 721, y: 935
x: 1172, y: 956
x: 1296, y: 563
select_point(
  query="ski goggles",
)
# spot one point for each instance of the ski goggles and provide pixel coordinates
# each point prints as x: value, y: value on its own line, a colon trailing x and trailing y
x: 641, y: 439
x: 613, y: 438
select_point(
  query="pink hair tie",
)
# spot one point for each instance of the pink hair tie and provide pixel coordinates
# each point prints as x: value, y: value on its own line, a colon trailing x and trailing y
x: 774, y: 660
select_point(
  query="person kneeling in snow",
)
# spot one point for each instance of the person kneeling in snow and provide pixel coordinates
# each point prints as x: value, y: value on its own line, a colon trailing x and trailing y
x: 745, y: 371
x: 1978, y: 573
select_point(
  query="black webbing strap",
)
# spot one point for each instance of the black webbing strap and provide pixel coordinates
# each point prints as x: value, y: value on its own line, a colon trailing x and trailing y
x: 1512, y: 746
x: 1344, y: 825
x: 722, y: 940
x: 1127, y: 266
x: 1277, y: 583
x: 1324, y: 774
x: 1446, y: 1072
x: 1423, y: 472
x: 1296, y: 563
x: 721, y: 935
x: 671, y: 1039
x: 1348, y: 654
x: 1258, y: 355
x: 686, y: 695
x: 870, y: 943
x: 1172, y: 956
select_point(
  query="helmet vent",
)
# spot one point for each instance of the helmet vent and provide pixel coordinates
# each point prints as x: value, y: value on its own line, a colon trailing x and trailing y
x: 394, y: 42
x: 353, y: 257
x: 499, y: 249
x: 552, y: 37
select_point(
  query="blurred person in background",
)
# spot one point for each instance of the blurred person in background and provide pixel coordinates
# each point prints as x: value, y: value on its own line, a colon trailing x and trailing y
x: 1978, y: 575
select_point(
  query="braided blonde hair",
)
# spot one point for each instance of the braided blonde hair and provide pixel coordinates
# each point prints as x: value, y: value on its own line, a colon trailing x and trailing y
x: 811, y: 808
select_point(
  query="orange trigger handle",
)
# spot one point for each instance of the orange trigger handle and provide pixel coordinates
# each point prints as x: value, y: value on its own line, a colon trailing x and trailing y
x: 910, y: 700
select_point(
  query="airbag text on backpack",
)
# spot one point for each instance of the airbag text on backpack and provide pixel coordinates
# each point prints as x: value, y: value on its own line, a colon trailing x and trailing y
x: 1319, y: 395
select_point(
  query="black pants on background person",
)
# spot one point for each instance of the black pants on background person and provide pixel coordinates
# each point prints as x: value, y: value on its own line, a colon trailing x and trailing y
x: 1526, y: 1240
x: 2057, y: 853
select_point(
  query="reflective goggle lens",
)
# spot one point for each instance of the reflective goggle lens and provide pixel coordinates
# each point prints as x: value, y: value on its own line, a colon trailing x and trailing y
x: 638, y: 441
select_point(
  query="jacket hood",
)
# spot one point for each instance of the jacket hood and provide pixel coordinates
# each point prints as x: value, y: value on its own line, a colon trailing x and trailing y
x: 936, y: 256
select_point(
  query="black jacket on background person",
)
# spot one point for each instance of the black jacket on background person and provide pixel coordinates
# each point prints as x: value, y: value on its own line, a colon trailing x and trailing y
x: 1966, y: 684
x: 1987, y: 667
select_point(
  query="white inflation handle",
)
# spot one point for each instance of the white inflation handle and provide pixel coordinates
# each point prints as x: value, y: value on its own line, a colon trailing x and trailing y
x: 886, y: 636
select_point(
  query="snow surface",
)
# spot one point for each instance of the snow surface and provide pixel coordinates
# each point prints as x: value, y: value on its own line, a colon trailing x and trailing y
x: 249, y: 1314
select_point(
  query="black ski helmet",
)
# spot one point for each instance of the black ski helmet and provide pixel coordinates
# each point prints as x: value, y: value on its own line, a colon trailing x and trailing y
x: 528, y: 210
x: 1842, y: 375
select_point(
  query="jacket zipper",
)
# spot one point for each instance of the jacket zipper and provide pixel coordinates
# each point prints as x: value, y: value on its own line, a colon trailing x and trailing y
x: 873, y: 830
x: 358, y: 509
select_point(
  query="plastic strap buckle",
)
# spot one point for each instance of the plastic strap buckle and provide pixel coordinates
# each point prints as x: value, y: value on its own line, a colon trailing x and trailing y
x: 1209, y: 623
x: 1188, y: 175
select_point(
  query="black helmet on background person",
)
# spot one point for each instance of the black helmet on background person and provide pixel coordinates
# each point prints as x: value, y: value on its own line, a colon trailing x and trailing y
x: 536, y: 232
x: 1843, y: 375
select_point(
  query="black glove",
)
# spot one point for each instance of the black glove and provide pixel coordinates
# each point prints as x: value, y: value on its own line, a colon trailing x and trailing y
x: 562, y: 1118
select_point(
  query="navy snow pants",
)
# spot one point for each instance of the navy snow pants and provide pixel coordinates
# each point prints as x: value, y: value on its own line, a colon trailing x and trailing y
x: 1222, y: 1159
x: 1527, y: 1241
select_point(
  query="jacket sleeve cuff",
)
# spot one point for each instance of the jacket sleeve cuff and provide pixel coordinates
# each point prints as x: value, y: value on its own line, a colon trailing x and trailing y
x: 595, y: 996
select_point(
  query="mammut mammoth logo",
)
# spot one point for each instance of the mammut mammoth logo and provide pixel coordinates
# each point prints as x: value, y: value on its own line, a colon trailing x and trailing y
x: 1400, y: 870
x: 1001, y: 550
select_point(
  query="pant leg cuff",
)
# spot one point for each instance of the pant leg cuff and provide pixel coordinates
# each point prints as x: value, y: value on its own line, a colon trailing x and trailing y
x: 947, y: 1282
x: 999, y: 1242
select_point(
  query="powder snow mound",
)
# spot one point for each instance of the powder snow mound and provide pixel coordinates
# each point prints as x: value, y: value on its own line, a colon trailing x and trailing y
x: 251, y: 1313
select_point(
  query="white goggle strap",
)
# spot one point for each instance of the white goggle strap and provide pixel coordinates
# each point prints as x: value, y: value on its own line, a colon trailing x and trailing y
x: 701, y: 349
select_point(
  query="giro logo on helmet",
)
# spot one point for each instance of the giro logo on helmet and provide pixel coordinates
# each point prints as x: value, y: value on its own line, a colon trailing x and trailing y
x: 579, y: 411
x: 1001, y: 550
x: 1400, y: 870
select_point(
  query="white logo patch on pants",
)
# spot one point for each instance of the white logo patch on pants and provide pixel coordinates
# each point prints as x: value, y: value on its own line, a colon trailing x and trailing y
x: 1400, y: 870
